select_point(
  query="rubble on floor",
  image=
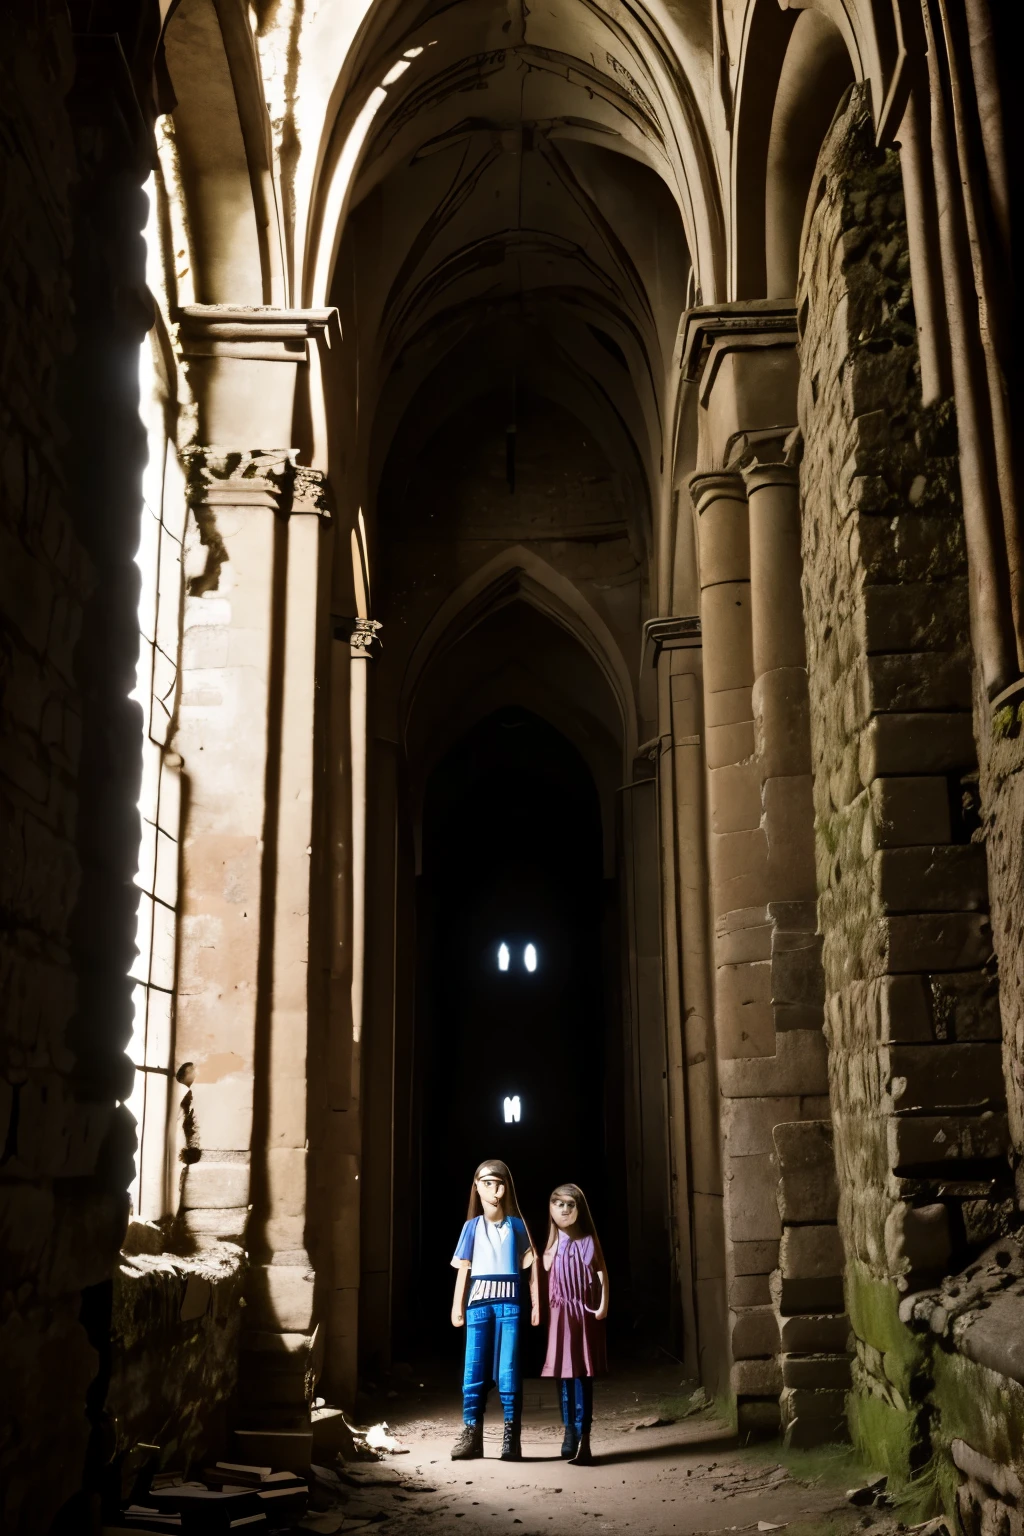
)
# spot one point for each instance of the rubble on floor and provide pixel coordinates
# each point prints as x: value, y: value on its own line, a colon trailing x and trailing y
x: 230, y: 1496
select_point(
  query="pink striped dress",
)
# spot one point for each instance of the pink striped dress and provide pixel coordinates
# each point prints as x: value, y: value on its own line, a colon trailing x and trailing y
x: 576, y: 1345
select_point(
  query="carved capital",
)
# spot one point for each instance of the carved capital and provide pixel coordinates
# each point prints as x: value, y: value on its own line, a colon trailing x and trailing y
x: 310, y: 492
x: 254, y: 477
x: 718, y: 484
x: 364, y: 641
x: 757, y: 476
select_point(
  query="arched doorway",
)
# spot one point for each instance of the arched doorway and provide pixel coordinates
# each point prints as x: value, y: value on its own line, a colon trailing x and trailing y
x: 513, y: 1024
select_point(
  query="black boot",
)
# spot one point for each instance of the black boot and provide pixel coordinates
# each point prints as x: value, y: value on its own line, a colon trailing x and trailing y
x: 570, y: 1440
x: 470, y: 1443
x: 511, y: 1445
x: 583, y: 1457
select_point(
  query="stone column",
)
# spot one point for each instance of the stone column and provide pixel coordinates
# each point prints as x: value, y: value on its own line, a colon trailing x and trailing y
x: 689, y: 1010
x: 744, y: 1028
x: 807, y: 1289
x: 341, y: 1150
x: 232, y: 549
x: 281, y: 1357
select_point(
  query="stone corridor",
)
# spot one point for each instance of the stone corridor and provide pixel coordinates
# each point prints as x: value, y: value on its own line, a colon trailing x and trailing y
x: 511, y: 644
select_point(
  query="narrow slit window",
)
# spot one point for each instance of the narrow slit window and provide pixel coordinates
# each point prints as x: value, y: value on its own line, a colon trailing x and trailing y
x: 530, y: 957
x: 512, y: 1109
x: 503, y: 956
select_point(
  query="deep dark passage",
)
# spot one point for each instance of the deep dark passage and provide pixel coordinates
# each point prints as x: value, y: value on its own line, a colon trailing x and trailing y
x: 511, y: 855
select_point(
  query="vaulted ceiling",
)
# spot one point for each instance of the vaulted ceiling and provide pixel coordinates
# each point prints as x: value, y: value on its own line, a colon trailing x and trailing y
x: 518, y: 223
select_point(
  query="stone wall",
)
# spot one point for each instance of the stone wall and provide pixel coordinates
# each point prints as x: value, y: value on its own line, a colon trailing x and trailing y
x: 59, y: 1228
x: 1002, y: 783
x: 912, y: 1012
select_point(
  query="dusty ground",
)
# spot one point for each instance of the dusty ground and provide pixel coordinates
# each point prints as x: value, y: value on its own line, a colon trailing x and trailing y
x: 687, y: 1477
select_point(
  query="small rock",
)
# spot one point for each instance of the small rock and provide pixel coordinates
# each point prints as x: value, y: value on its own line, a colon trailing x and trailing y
x: 867, y: 1493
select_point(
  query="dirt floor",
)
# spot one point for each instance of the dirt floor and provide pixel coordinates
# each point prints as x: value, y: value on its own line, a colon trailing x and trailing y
x: 688, y: 1476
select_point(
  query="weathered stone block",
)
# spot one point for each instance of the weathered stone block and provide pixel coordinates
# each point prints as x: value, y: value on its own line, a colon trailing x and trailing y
x: 808, y: 1191
x: 926, y: 942
x: 926, y: 743
x: 757, y: 1258
x: 729, y: 743
x: 281, y: 1297
x: 909, y: 811
x: 813, y: 1418
x: 965, y: 1006
x: 754, y: 1334
x: 743, y: 936
x: 928, y: 680
x: 796, y: 974
x: 215, y: 1225
x: 748, y: 1124
x: 925, y: 1141
x: 751, y: 1211
x: 739, y: 870
x: 914, y: 616
x: 781, y: 708
x: 749, y: 1291
x: 799, y: 1066
x: 757, y: 1418
x: 952, y: 878
x: 745, y: 1022
x: 756, y: 1378
x: 827, y: 1334
x: 949, y: 1077
x: 799, y: 1297
x: 905, y: 1009
x: 912, y: 546
x: 815, y: 1372
x: 811, y: 1252
x: 735, y: 798
x: 215, y: 1186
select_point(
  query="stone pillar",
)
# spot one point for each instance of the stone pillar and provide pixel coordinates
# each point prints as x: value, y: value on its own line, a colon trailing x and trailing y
x: 280, y: 1359
x: 689, y: 1011
x: 232, y: 550
x: 807, y: 1289
x: 340, y: 1170
x: 744, y: 1028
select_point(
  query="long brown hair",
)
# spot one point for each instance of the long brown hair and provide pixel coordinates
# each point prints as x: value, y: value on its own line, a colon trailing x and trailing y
x: 498, y: 1170
x: 584, y: 1221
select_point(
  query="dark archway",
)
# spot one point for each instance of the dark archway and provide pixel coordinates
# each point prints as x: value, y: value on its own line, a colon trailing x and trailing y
x: 511, y: 855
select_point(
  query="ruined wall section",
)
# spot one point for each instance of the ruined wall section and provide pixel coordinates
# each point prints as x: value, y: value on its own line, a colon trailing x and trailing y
x: 60, y: 1214
x: 1001, y: 745
x: 912, y: 1015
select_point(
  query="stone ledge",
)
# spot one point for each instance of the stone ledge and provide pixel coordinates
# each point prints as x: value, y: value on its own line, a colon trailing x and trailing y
x: 980, y: 1312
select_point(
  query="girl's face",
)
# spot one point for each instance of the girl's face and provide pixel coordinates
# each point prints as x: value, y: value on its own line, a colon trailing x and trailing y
x: 563, y: 1211
x: 491, y: 1190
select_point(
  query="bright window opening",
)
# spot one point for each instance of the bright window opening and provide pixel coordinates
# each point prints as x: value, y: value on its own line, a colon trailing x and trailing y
x: 503, y: 957
x: 530, y: 957
x: 512, y: 1109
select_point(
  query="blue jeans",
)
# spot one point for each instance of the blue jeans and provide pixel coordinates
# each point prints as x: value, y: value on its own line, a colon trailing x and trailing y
x: 578, y: 1403
x: 492, y: 1354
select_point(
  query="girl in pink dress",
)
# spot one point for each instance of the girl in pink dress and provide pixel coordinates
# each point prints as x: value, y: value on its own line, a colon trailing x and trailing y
x: 578, y: 1303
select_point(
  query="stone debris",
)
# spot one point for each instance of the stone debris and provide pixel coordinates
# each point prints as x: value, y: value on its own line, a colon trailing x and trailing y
x: 871, y: 1492
x: 228, y: 1496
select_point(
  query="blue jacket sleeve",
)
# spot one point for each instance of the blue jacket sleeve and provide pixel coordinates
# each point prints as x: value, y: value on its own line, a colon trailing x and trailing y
x: 464, y: 1250
x: 522, y: 1239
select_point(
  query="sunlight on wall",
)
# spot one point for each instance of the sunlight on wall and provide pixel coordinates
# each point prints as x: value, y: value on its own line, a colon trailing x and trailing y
x: 159, y: 559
